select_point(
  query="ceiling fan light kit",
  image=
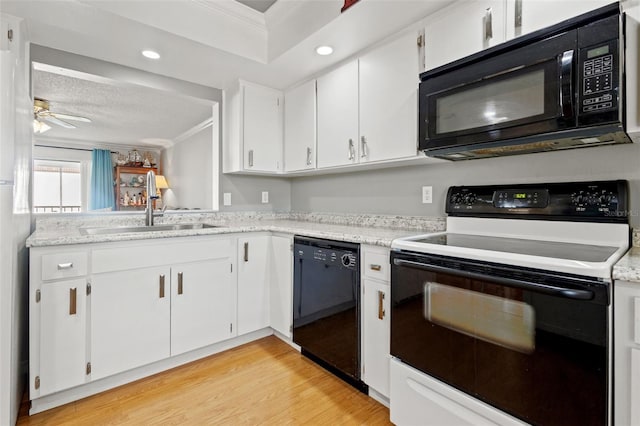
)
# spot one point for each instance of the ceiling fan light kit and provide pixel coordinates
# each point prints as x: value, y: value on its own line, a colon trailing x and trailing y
x: 41, y: 112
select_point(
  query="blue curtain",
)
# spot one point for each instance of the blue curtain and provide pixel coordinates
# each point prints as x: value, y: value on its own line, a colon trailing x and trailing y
x: 101, y: 194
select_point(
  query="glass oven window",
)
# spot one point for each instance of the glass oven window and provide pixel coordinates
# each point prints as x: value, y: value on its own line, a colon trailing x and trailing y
x: 491, y: 103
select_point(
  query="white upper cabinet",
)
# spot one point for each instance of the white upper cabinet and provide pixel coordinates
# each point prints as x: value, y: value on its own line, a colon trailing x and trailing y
x: 389, y: 100
x: 525, y: 16
x: 338, y: 117
x: 300, y: 127
x: 252, y: 135
x: 462, y: 29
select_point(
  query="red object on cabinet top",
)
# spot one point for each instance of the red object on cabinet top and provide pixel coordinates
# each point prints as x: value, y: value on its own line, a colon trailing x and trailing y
x: 348, y: 4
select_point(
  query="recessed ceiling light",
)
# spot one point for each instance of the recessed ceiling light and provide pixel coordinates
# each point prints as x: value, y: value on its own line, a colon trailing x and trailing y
x: 324, y: 50
x: 150, y: 54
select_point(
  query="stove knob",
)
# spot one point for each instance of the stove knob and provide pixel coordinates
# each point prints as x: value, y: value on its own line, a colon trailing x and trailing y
x: 469, y: 199
x: 456, y: 198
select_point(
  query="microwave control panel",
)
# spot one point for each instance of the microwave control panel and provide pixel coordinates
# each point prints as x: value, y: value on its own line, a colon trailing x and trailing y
x: 598, y: 79
x: 598, y: 71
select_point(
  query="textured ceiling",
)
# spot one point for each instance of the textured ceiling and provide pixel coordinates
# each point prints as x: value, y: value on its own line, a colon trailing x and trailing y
x: 119, y: 114
x: 259, y: 5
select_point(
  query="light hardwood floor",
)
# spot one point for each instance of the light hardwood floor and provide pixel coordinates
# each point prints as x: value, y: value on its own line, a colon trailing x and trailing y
x: 265, y: 382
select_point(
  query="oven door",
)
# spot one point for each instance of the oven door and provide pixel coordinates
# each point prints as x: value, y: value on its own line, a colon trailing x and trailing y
x: 531, y: 344
x: 514, y: 94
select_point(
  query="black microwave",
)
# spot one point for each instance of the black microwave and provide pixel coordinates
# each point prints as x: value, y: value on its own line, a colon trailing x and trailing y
x: 557, y: 88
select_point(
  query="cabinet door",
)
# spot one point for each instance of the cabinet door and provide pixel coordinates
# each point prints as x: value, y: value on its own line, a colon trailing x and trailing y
x: 253, y: 289
x: 634, y: 394
x: 525, y: 16
x: 338, y: 116
x: 300, y: 127
x: 376, y: 335
x: 63, y: 331
x: 262, y: 128
x: 281, y: 285
x: 463, y: 29
x: 389, y: 100
x: 130, y: 319
x: 202, y: 304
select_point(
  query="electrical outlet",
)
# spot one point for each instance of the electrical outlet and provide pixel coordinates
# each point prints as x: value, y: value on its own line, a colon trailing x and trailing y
x: 265, y: 197
x: 226, y: 199
x: 427, y: 194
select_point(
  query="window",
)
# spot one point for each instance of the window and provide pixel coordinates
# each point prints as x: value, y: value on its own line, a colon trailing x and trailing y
x: 57, y: 186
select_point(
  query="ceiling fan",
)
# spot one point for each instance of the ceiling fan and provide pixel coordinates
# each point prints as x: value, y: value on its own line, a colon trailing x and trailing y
x: 41, y: 112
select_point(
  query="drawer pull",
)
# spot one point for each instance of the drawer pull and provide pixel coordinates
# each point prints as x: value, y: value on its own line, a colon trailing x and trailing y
x: 381, y: 312
x: 375, y: 267
x: 246, y: 252
x: 161, y: 286
x: 63, y: 266
x: 72, y: 301
x: 180, y: 289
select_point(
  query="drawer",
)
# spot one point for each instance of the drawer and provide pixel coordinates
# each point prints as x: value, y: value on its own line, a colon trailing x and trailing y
x: 64, y: 265
x: 376, y: 264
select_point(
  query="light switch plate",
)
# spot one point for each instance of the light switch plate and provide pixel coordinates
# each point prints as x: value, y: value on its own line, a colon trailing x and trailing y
x: 226, y: 199
x: 265, y: 197
x: 427, y: 194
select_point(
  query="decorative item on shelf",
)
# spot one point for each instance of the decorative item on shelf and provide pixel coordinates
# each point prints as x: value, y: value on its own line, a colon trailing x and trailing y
x: 149, y: 160
x: 121, y: 159
x: 134, y: 158
x: 348, y: 4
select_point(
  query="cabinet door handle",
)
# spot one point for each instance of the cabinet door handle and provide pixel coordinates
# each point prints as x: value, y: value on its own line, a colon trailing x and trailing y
x: 351, y: 150
x: 488, y: 25
x: 518, y: 17
x: 73, y: 301
x: 381, y: 312
x: 363, y: 143
x: 250, y: 158
x: 308, y: 156
x: 161, y: 286
x: 375, y: 267
x: 180, y: 288
x: 63, y: 266
x: 246, y: 252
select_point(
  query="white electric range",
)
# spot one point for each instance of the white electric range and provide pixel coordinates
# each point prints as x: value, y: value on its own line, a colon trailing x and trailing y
x: 506, y: 315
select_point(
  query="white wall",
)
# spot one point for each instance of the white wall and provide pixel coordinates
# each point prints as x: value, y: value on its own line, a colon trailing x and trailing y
x: 397, y: 191
x: 187, y: 168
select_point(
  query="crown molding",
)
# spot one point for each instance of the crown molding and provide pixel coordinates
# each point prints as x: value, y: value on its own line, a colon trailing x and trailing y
x: 194, y: 130
x: 236, y: 11
x: 280, y: 11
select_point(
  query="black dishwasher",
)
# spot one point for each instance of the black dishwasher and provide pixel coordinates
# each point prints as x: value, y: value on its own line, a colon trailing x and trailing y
x: 326, y: 305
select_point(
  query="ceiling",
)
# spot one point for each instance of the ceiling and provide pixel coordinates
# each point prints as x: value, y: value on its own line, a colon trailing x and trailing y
x: 259, y: 5
x: 120, y: 114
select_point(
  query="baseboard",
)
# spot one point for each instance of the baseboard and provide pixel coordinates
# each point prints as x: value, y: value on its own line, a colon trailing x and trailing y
x: 374, y: 394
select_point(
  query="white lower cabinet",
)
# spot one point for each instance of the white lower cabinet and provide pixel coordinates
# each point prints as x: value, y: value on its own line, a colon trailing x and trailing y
x: 63, y: 332
x: 376, y: 318
x: 376, y: 335
x: 281, y: 285
x: 417, y: 399
x: 626, y: 350
x: 130, y: 319
x: 253, y: 284
x: 201, y: 312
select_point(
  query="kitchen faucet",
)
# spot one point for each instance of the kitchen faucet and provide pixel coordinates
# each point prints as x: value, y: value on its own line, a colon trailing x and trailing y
x: 151, y: 195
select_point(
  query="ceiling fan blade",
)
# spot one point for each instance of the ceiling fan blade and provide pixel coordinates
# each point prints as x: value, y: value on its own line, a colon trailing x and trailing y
x: 54, y: 120
x: 70, y: 117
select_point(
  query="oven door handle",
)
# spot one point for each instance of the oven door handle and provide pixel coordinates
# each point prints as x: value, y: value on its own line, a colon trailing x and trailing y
x: 509, y: 282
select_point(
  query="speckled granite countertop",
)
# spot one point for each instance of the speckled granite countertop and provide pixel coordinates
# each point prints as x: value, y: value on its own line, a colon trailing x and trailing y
x: 628, y: 268
x: 366, y: 229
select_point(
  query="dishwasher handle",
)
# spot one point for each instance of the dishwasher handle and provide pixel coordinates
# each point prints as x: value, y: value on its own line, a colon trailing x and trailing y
x: 567, y: 293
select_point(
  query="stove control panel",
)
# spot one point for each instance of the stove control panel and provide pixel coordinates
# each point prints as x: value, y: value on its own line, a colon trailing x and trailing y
x: 603, y: 201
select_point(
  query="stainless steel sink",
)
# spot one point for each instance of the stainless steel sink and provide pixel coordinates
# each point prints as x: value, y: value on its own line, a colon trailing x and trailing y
x: 137, y: 229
